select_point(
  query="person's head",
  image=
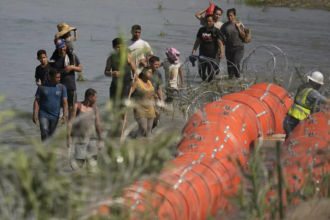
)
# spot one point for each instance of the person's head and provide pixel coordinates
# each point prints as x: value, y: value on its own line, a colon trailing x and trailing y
x: 173, y: 55
x: 217, y: 13
x: 231, y: 14
x: 117, y: 43
x: 66, y: 35
x: 209, y: 21
x: 42, y: 57
x: 54, y: 76
x: 154, y: 63
x: 60, y: 46
x: 136, y: 32
x: 146, y: 73
x: 316, y: 80
x: 91, y: 96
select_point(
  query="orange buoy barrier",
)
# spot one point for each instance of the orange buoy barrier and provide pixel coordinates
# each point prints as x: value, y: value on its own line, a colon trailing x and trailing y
x: 199, y: 181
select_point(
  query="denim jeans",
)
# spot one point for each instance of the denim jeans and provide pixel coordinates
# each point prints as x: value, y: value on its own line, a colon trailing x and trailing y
x: 47, y: 127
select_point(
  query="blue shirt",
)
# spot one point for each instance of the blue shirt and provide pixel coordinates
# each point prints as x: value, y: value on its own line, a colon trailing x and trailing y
x: 50, y: 100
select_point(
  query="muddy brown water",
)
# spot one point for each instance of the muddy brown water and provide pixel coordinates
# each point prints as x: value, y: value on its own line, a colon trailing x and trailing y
x: 27, y: 26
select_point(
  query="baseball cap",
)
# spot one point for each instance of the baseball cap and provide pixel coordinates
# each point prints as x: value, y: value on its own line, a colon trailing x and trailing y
x: 59, y: 43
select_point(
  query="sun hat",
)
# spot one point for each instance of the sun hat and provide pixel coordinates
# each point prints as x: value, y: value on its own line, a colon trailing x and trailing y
x: 64, y: 28
x: 59, y: 43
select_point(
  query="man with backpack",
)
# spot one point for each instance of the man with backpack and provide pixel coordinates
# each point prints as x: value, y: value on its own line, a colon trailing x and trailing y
x: 47, y: 103
x: 85, y: 133
x: 67, y: 62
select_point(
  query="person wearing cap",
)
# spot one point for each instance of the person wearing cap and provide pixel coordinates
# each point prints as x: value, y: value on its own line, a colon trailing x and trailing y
x: 67, y: 63
x: 304, y: 101
x: 64, y: 33
x: 139, y: 49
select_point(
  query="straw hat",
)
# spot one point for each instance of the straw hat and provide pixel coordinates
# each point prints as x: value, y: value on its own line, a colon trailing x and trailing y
x: 64, y: 28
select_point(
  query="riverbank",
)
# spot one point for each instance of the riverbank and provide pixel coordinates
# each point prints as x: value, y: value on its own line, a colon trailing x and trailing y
x: 293, y: 4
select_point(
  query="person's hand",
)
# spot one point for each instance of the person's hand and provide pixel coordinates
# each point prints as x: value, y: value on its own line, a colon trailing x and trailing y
x: 101, y: 145
x: 182, y: 86
x: 221, y: 55
x: 193, y: 52
x: 68, y: 69
x: 143, y: 62
x: 162, y: 108
x: 38, y: 83
x: 239, y: 24
x: 35, y: 119
x: 115, y: 73
x: 63, y: 119
x: 69, y: 142
x: 156, y: 96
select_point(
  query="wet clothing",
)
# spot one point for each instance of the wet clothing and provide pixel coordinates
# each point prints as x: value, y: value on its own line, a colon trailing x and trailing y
x: 47, y: 127
x: 156, y: 81
x: 139, y: 49
x: 72, y: 97
x: 50, y: 99
x: 67, y: 79
x: 234, y: 57
x: 84, y: 138
x: 234, y: 48
x: 126, y: 86
x: 145, y: 100
x: 209, y: 41
x: 209, y: 48
x: 127, y: 79
x: 207, y: 69
x: 171, y: 74
x: 233, y: 40
x: 41, y: 73
x: 144, y: 127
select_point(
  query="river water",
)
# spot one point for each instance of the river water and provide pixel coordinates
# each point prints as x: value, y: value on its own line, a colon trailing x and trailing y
x: 29, y: 25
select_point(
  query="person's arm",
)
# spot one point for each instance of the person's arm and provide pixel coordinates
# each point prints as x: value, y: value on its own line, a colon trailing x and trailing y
x: 241, y: 32
x: 181, y: 77
x: 107, y: 71
x: 36, y: 77
x: 75, y: 35
x: 35, y: 110
x: 199, y: 14
x: 132, y: 64
x: 161, y: 97
x: 196, y: 45
x: 65, y: 110
x: 220, y: 48
x: 77, y: 67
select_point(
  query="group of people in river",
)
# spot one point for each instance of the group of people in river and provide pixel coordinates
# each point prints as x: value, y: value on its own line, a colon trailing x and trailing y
x: 134, y: 70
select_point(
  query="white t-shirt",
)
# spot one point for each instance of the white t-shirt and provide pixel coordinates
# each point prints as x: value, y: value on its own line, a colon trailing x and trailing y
x: 217, y: 24
x: 139, y: 49
x: 171, y: 74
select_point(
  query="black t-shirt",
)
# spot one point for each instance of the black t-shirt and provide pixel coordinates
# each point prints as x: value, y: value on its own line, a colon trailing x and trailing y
x: 67, y: 79
x: 41, y: 73
x: 209, y: 41
x: 115, y: 66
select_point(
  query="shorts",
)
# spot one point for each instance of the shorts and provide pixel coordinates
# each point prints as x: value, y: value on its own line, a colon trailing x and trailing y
x: 72, y: 97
